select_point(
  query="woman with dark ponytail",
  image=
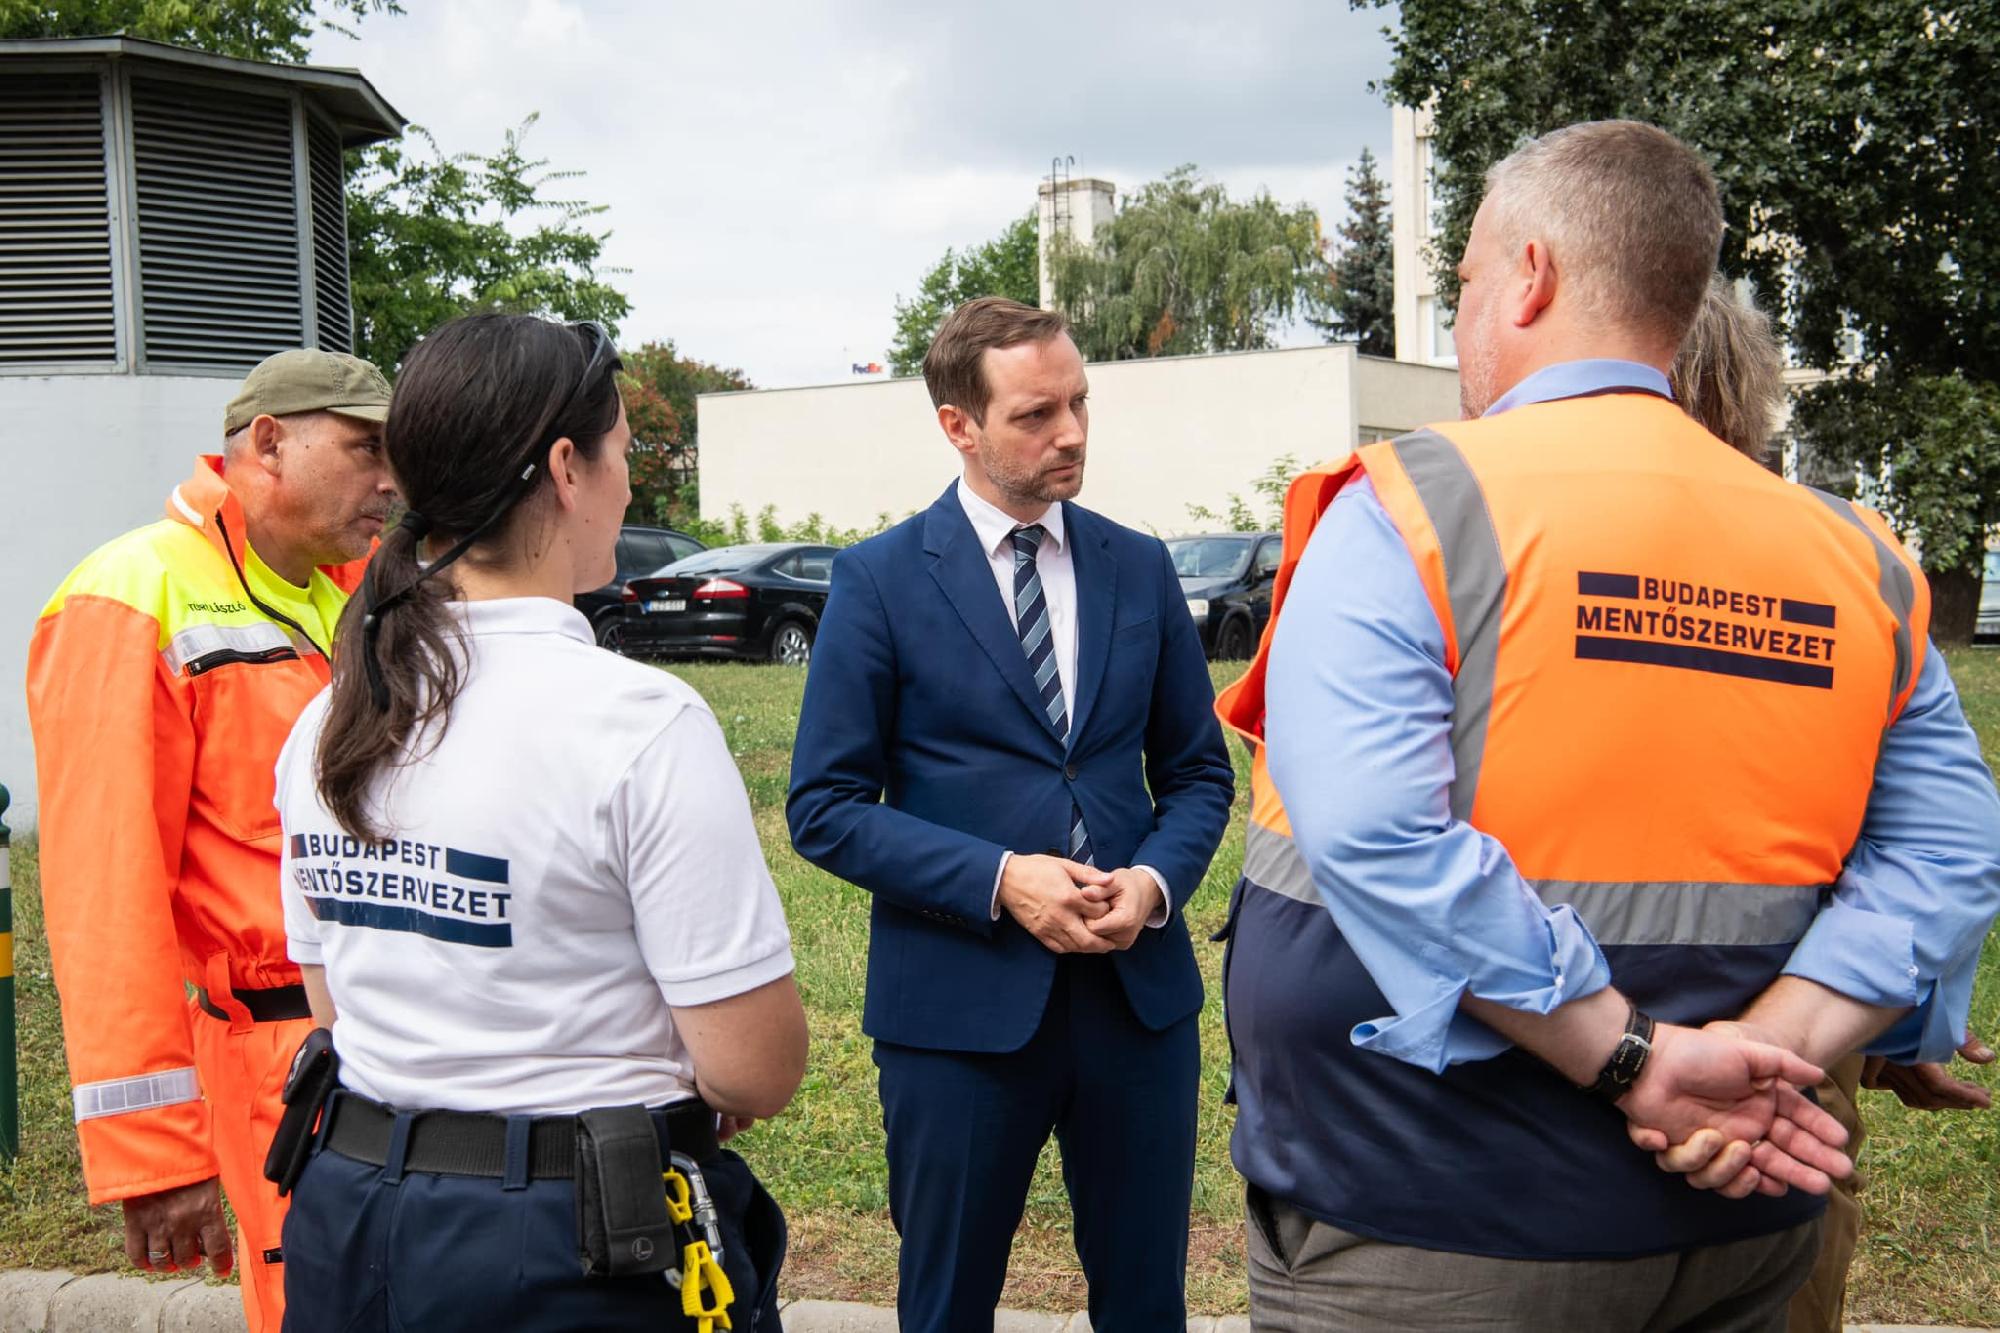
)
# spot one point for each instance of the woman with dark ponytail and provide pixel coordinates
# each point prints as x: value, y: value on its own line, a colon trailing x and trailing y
x: 522, y: 875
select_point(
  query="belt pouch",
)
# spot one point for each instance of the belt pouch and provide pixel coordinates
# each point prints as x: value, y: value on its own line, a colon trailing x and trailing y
x: 621, y: 1200
x: 315, y: 1070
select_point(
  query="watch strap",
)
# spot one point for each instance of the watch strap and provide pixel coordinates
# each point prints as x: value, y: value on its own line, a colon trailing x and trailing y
x: 1628, y: 1058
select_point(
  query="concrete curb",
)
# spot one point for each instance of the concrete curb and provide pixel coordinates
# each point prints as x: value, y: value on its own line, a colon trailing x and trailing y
x: 52, y: 1301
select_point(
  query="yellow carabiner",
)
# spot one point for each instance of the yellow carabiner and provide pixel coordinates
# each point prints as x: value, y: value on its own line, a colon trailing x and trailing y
x: 679, y: 1205
x: 699, y: 1270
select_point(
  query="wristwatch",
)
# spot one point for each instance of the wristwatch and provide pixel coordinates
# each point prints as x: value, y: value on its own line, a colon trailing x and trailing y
x: 1628, y: 1058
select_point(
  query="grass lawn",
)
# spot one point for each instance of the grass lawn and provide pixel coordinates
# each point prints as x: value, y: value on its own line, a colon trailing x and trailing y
x: 1933, y: 1195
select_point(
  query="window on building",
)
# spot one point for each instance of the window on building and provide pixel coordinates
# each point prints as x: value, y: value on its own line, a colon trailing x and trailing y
x: 1439, y: 346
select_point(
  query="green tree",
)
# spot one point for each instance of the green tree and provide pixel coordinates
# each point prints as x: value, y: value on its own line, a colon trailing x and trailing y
x: 248, y: 29
x: 1008, y: 265
x: 660, y: 386
x: 1239, y: 515
x: 1929, y: 449
x: 1361, y: 295
x: 431, y: 236
x: 1854, y: 144
x: 1184, y: 268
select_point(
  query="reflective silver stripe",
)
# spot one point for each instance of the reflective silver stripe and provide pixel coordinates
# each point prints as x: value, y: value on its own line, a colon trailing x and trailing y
x: 1475, y: 581
x: 187, y: 510
x: 1687, y: 913
x: 122, y: 1096
x: 1892, y: 581
x: 197, y: 641
x: 1675, y: 912
x: 1272, y: 861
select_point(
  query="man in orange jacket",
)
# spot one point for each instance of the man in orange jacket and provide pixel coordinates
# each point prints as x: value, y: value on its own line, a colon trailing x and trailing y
x: 164, y: 676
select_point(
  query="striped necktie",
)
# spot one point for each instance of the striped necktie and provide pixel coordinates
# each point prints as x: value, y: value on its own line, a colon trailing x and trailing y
x: 1031, y: 621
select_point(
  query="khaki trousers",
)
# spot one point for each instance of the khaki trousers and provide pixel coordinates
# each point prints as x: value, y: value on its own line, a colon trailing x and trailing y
x: 1306, y: 1277
x: 1821, y: 1305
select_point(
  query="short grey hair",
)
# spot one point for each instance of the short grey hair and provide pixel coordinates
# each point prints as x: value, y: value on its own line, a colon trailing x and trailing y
x: 1631, y: 215
x: 1730, y: 374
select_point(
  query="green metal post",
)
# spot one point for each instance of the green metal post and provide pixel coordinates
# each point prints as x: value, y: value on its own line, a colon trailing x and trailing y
x: 10, y: 1079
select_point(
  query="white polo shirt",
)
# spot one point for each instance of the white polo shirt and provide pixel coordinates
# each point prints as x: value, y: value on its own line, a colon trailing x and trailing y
x: 575, y: 855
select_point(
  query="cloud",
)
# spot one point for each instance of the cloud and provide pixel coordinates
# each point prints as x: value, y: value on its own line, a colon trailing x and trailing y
x: 777, y: 173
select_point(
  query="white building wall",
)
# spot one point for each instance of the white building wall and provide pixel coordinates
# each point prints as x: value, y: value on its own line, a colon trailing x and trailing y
x: 87, y: 457
x: 1164, y: 434
x: 1421, y: 332
x: 1396, y: 396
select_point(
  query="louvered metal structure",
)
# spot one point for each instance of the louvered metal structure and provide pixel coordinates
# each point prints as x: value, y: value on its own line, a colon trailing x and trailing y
x: 55, y: 224
x: 164, y: 211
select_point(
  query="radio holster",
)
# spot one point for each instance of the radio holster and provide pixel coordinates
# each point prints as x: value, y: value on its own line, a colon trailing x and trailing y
x: 621, y: 1210
x: 314, y: 1074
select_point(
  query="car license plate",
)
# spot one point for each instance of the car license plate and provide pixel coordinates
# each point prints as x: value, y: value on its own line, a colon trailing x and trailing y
x: 666, y: 604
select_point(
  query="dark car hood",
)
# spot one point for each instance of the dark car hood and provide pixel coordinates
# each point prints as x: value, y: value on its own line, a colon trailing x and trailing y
x: 1206, y: 587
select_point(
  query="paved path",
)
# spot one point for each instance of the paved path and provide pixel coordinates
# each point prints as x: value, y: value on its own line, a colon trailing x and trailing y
x: 35, y: 1301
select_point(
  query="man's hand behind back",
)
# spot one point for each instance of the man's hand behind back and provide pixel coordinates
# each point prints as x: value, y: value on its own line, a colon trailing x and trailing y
x: 1728, y: 1113
x: 1932, y: 1087
x: 1044, y: 894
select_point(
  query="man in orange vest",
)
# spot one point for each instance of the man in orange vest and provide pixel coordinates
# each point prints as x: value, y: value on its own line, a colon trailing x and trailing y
x: 163, y: 678
x: 1603, y: 790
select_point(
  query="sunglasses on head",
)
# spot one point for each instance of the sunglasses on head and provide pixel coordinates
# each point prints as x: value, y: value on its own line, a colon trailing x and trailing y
x: 601, y: 350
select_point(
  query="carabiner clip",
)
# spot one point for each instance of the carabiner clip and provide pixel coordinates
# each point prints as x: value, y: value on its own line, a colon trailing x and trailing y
x: 705, y: 1215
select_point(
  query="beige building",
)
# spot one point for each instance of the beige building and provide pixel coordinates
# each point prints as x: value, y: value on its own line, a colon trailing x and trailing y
x: 1165, y: 434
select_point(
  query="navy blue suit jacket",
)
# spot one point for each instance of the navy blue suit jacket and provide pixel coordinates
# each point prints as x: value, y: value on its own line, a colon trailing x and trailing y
x: 923, y: 753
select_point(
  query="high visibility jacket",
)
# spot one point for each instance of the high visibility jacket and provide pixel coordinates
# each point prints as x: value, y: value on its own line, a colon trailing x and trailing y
x: 1671, y: 673
x: 160, y: 695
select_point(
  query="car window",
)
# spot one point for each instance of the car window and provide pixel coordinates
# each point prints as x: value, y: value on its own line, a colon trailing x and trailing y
x: 788, y: 566
x: 1209, y: 557
x: 722, y: 559
x: 659, y: 550
x: 631, y: 559
x: 815, y: 565
x: 680, y: 548
x: 1267, y: 557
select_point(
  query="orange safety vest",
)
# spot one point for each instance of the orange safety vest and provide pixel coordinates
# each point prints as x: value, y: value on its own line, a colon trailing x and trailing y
x: 1671, y: 673
x: 1688, y: 658
x: 160, y: 696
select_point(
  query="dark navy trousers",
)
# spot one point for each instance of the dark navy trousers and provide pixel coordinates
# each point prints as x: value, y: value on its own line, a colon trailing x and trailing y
x: 367, y: 1251
x: 965, y: 1130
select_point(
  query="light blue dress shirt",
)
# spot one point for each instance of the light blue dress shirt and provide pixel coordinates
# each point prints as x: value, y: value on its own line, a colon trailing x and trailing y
x: 1358, y: 725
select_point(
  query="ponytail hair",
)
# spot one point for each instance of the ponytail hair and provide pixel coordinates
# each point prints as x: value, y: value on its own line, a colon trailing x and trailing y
x: 476, y: 409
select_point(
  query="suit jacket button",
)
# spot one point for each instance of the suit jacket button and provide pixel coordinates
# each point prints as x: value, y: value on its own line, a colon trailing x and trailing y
x: 1069, y: 771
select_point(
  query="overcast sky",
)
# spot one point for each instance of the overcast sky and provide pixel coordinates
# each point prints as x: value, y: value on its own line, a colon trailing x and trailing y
x: 778, y: 173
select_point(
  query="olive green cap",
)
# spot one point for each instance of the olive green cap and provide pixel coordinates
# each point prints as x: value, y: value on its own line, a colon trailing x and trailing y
x: 307, y: 380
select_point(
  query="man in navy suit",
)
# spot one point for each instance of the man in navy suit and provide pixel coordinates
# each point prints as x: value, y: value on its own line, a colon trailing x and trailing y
x: 1008, y: 738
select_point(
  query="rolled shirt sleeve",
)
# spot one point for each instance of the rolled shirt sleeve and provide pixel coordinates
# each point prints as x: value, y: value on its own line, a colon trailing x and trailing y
x: 706, y: 913
x: 1918, y: 894
x: 1358, y: 730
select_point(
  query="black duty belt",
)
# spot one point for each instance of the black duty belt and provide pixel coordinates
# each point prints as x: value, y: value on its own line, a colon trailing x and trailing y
x: 465, y: 1143
x: 274, y: 1005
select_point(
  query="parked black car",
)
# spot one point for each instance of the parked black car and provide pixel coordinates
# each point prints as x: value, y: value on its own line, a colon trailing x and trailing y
x: 640, y: 551
x: 758, y: 602
x: 1227, y: 578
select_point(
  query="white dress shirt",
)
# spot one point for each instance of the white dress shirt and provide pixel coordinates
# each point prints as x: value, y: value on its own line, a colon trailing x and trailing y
x: 996, y: 537
x: 995, y: 529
